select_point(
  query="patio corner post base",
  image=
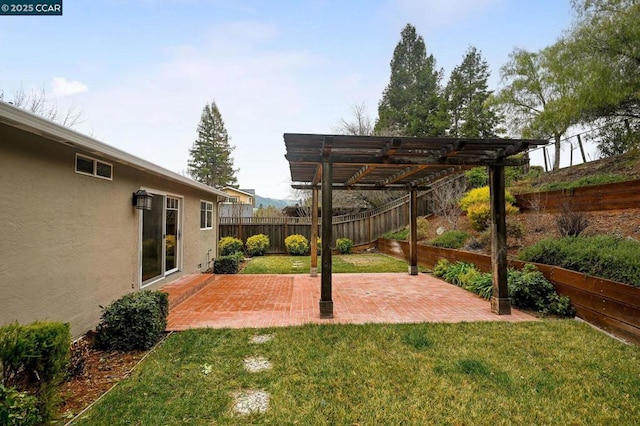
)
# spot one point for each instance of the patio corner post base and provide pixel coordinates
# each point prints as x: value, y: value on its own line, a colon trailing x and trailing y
x: 501, y: 305
x: 326, y: 309
x: 413, y: 270
x: 313, y: 272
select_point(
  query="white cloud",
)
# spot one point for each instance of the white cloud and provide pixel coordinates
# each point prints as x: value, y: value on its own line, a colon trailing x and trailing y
x: 62, y: 87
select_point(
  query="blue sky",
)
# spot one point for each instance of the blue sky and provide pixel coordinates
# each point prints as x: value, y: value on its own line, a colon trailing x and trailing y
x: 142, y: 70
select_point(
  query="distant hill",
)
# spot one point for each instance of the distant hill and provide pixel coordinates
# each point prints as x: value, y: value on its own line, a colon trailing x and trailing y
x: 280, y: 204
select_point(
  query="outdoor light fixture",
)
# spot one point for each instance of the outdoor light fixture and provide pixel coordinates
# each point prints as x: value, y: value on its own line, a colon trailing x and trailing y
x: 142, y: 200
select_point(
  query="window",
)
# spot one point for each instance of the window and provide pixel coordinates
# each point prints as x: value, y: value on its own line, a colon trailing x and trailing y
x: 206, y: 215
x: 92, y: 167
x: 231, y: 200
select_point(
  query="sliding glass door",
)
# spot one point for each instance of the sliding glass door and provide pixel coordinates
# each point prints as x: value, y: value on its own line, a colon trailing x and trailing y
x: 160, y: 238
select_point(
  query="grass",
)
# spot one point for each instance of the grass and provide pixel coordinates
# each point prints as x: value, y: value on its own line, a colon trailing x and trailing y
x: 597, y: 179
x: 348, y: 263
x: 492, y: 373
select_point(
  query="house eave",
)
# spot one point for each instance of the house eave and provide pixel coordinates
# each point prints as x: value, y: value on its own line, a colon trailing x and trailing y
x: 26, y: 121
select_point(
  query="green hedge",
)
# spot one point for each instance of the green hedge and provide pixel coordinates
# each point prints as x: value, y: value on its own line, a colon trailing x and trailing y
x: 226, y: 265
x: 528, y: 289
x: 18, y: 408
x: 133, y: 322
x: 450, y: 239
x: 33, y: 358
x: 603, y: 256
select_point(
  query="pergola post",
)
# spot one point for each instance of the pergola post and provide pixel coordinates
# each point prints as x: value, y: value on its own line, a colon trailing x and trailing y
x: 314, y: 233
x: 413, y: 232
x: 326, y: 302
x: 500, y: 303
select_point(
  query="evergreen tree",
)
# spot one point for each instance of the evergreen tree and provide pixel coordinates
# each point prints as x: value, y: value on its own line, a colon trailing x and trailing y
x: 467, y: 97
x: 411, y: 104
x: 210, y: 160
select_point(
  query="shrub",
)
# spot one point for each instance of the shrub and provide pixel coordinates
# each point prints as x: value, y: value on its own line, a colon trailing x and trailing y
x: 319, y: 246
x: 344, y: 245
x: 135, y: 321
x: 402, y: 234
x: 515, y: 229
x: 529, y: 289
x: 257, y: 245
x: 229, y: 245
x: 226, y: 264
x: 481, y: 195
x: 456, y: 271
x: 481, y: 284
x: 18, y: 408
x: 477, y: 177
x: 441, y: 267
x: 479, y: 215
x: 297, y: 245
x: 603, y: 256
x: 571, y: 223
x: 33, y: 358
x: 450, y: 239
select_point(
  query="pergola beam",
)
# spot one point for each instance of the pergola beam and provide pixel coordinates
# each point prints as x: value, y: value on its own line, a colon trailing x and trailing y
x: 359, y: 175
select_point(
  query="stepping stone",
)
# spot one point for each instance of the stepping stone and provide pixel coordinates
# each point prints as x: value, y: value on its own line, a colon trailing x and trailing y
x: 251, y: 401
x: 262, y: 338
x: 256, y: 364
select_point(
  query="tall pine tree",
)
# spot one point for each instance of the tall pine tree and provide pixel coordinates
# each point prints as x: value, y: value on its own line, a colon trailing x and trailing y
x: 467, y: 95
x: 210, y: 160
x: 411, y: 104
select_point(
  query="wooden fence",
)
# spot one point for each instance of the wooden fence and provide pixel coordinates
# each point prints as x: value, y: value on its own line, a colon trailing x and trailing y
x: 361, y: 228
x: 612, y: 196
x: 612, y: 306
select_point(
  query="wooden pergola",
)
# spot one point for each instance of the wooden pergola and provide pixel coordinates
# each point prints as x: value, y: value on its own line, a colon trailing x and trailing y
x: 341, y: 162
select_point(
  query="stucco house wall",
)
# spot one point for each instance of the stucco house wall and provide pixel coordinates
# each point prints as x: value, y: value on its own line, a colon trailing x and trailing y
x: 71, y: 243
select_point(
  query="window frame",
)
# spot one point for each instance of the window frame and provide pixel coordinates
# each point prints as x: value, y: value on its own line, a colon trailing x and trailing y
x: 94, y: 162
x: 206, y: 212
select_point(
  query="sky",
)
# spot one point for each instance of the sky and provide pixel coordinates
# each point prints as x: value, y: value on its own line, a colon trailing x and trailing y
x: 141, y: 71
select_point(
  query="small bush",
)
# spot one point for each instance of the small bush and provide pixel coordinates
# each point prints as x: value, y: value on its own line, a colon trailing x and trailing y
x: 229, y: 245
x: 257, y: 245
x: 456, y: 271
x: 18, y: 408
x: 133, y: 322
x: 226, y: 265
x: 479, y: 215
x: 441, y: 267
x: 450, y: 239
x: 515, y: 229
x: 477, y: 177
x: 344, y: 245
x: 529, y: 289
x: 401, y: 235
x: 481, y: 284
x: 481, y: 195
x: 34, y: 358
x: 319, y: 246
x: 297, y: 245
x: 571, y: 223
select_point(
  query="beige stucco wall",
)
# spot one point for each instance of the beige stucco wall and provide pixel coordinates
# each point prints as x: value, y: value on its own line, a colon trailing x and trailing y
x: 70, y: 242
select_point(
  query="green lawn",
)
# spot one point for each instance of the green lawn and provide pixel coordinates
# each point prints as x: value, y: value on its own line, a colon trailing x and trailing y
x: 557, y: 372
x: 348, y: 263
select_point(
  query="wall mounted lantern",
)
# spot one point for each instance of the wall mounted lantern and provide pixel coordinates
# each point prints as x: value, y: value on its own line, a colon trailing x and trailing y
x: 142, y: 200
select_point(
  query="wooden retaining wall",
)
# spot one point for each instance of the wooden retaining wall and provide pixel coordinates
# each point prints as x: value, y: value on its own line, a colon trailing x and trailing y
x: 612, y: 196
x: 611, y: 306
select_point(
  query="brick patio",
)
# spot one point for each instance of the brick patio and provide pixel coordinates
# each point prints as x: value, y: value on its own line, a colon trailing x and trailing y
x: 256, y: 301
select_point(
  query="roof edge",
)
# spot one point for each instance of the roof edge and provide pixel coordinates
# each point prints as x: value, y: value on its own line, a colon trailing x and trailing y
x: 27, y: 121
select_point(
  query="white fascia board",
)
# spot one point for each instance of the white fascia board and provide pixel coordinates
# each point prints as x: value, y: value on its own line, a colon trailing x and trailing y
x: 32, y: 123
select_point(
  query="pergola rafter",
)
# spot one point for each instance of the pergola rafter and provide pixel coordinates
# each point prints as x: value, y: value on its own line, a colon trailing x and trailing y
x: 342, y: 162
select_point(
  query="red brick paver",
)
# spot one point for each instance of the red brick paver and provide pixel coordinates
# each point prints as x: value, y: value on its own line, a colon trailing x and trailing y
x: 256, y: 301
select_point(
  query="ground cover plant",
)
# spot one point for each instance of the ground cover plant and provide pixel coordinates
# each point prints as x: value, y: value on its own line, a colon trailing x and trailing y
x: 604, y: 256
x: 542, y: 372
x: 351, y: 263
x: 450, y: 239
